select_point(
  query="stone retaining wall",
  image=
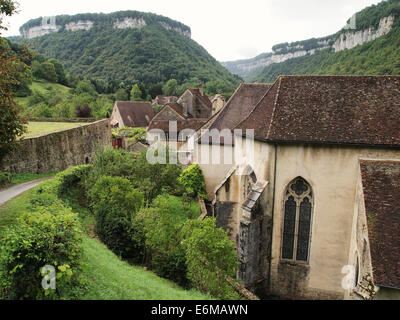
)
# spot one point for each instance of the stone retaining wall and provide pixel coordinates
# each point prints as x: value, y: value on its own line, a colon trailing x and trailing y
x: 59, y: 150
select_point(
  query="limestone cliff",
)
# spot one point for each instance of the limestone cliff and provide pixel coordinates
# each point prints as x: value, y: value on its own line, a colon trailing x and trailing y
x: 340, y: 41
x: 118, y: 20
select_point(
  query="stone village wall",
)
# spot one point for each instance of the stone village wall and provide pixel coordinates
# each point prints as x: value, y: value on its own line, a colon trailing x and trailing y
x: 59, y: 150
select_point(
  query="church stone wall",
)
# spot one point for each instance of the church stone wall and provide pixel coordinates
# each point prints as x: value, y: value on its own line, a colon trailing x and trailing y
x: 332, y: 172
x: 59, y: 150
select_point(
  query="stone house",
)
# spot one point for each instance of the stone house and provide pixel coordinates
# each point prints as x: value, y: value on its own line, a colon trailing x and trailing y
x: 131, y: 114
x: 169, y: 123
x: 311, y: 198
x: 196, y: 103
x: 191, y: 111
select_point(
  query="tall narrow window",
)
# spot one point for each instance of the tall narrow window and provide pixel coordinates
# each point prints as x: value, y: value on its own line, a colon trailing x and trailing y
x: 297, y: 221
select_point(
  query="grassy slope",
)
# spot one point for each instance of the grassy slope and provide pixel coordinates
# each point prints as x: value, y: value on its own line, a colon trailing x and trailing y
x: 36, y: 129
x: 107, y: 277
x: 43, y: 87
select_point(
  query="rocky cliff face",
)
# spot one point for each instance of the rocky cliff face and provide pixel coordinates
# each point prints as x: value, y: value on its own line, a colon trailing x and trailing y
x: 350, y: 40
x: 346, y: 40
x: 50, y: 26
x: 130, y: 23
x: 80, y: 25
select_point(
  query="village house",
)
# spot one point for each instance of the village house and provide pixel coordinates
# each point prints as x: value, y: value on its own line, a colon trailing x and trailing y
x: 131, y: 114
x: 311, y: 198
x: 191, y: 111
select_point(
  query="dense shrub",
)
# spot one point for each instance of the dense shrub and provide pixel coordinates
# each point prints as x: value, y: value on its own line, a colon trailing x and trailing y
x: 5, y: 178
x: 192, y: 180
x: 154, y: 179
x: 47, y: 236
x: 210, y: 258
x: 162, y: 224
x: 73, y: 177
x: 111, y: 162
x: 46, y: 194
x: 133, y: 134
x: 83, y: 112
x: 115, y: 204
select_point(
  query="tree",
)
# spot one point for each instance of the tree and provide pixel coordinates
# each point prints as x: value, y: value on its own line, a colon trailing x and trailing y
x: 136, y: 93
x: 12, y: 69
x: 121, y: 95
x: 7, y: 7
x: 170, y: 87
x: 45, y: 70
x: 59, y: 68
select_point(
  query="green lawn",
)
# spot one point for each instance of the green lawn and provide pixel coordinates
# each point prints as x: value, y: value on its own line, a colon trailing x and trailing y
x: 36, y: 129
x: 107, y: 277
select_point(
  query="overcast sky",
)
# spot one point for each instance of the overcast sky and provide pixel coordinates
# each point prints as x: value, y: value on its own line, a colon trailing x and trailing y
x: 227, y: 29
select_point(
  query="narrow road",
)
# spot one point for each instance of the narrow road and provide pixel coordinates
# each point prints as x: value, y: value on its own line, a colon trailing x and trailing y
x: 14, y: 191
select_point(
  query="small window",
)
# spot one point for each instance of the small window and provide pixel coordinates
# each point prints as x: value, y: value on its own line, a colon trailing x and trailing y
x: 297, y: 221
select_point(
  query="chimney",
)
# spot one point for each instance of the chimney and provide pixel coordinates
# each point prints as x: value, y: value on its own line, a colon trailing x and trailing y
x: 201, y: 89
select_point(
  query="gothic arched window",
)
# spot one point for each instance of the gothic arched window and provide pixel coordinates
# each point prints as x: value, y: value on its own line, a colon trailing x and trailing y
x: 297, y: 221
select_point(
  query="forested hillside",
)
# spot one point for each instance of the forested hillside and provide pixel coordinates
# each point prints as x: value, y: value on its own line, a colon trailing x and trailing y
x: 154, y: 53
x: 378, y: 57
x: 368, y: 46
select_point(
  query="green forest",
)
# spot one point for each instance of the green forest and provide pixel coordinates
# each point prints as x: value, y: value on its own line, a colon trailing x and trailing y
x: 151, y: 55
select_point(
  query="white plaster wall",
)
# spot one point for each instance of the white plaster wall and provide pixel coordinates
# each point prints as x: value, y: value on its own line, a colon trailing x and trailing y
x: 333, y: 173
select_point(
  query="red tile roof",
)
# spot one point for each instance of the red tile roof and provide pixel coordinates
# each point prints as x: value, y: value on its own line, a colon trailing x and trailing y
x: 354, y: 110
x: 381, y: 188
x: 239, y: 106
x: 134, y: 113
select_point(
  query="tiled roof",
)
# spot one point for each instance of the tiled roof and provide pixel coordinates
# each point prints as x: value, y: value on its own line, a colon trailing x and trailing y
x: 135, y: 114
x: 354, y: 110
x: 239, y: 106
x: 204, y: 99
x: 381, y: 188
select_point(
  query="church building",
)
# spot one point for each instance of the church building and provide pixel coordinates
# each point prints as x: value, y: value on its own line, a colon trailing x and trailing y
x: 311, y: 198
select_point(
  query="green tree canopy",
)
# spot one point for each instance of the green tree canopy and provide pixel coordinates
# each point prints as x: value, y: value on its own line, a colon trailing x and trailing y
x: 136, y: 93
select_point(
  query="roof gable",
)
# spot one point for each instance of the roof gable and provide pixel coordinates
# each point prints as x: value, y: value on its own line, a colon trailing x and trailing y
x: 171, y: 109
x: 239, y: 106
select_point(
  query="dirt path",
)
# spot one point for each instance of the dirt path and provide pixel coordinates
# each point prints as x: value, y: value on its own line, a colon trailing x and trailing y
x: 14, y: 191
